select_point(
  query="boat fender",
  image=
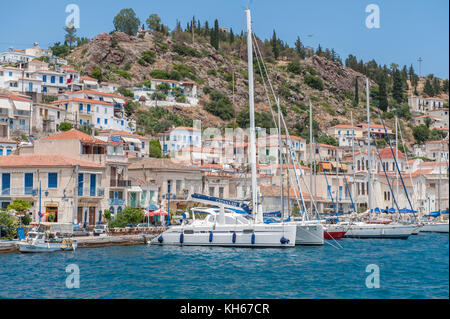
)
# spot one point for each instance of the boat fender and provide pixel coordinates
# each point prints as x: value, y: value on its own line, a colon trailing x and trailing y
x: 160, y: 239
x: 284, y: 240
x: 210, y: 236
x: 253, y: 238
x: 181, y: 238
x: 234, y: 238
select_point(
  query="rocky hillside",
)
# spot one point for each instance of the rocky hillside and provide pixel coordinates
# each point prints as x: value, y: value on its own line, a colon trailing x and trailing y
x: 129, y: 60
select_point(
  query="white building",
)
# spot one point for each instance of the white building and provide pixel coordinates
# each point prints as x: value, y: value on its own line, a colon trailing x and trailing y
x: 7, y: 146
x: 180, y: 137
x: 422, y: 104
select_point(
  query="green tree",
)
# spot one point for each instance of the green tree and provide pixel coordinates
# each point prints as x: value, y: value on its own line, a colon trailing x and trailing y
x: 70, y: 36
x: 382, y: 92
x: 20, y: 206
x: 155, y: 149
x: 215, y: 35
x: 356, y: 97
x: 129, y: 215
x: 397, y: 90
x: 275, y: 48
x: 421, y: 133
x: 127, y: 21
x: 220, y: 105
x: 64, y: 126
x: 9, y: 222
x: 97, y: 73
x: 154, y: 22
x: 428, y: 88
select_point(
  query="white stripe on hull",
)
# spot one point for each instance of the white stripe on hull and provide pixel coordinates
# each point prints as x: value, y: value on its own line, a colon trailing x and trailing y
x: 437, y: 228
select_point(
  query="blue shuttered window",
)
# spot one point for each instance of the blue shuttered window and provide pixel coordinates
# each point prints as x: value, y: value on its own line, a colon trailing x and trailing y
x: 28, y: 183
x: 52, y: 180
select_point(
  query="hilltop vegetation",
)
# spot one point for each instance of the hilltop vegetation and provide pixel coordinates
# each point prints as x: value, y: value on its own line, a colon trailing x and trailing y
x: 215, y: 58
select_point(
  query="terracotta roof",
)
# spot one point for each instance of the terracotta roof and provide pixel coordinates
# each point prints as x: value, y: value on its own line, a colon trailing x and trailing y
x: 429, y: 164
x: 49, y: 106
x: 437, y: 142
x: 387, y: 153
x: 88, y: 78
x: 345, y: 126
x: 74, y: 134
x: 372, y: 125
x: 15, y: 97
x: 94, y: 92
x: 277, y: 166
x: 159, y: 163
x: 43, y: 161
x: 75, y: 99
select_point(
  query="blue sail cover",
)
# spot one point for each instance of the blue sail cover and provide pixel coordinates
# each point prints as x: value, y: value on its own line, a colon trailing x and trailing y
x: 433, y: 214
x: 445, y: 212
x: 272, y: 214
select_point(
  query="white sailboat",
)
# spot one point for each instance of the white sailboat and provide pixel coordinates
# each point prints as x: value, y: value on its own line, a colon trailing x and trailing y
x: 373, y: 230
x: 224, y: 227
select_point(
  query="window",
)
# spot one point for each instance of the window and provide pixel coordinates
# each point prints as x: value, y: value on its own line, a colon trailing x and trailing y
x: 52, y: 180
x: 80, y: 107
x: 28, y: 182
x: 106, y: 121
x: 53, y: 79
x: 6, y: 183
x: 121, y: 122
x: 93, y: 184
x: 80, y: 184
x: 61, y: 80
x: 66, y: 106
x: 88, y: 107
x: 98, y: 120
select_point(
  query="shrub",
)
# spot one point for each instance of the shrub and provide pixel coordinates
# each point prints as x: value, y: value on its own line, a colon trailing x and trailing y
x: 148, y: 56
x: 220, y: 106
x: 64, y: 126
x: 184, y: 50
x: 314, y: 82
x: 124, y: 74
x: 295, y: 67
x: 125, y: 92
x: 97, y: 73
x: 207, y: 89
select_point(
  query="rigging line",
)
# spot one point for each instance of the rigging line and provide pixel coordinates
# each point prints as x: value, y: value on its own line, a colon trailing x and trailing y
x: 289, y: 139
x: 326, y: 179
x: 393, y: 155
x: 387, y: 179
x: 259, y: 56
x: 348, y: 189
x: 407, y: 164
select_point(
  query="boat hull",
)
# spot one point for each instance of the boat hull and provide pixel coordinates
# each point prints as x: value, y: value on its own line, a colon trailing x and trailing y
x: 225, y: 236
x: 435, y: 228
x: 380, y: 231
x: 45, y: 247
x: 312, y: 234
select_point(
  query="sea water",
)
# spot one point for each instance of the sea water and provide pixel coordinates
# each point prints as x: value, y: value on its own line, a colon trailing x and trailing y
x: 413, y: 268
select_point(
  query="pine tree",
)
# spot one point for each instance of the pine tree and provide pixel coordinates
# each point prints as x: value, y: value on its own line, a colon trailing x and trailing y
x: 445, y: 86
x: 319, y: 50
x: 231, y: 36
x: 275, y: 48
x: 356, y: 97
x: 215, y: 35
x: 397, y: 90
x: 382, y: 92
x: 299, y: 48
x: 428, y: 88
x: 436, y: 86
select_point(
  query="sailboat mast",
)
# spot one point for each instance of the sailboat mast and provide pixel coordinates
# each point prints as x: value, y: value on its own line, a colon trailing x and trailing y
x: 440, y: 166
x: 310, y: 152
x: 280, y: 150
x: 396, y: 158
x: 369, y: 204
x: 353, y: 153
x: 256, y: 211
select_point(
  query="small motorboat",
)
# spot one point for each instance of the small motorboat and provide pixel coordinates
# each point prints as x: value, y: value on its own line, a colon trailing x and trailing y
x: 39, y: 242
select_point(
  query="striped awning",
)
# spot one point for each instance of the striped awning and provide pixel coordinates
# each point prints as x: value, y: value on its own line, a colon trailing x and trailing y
x: 22, y: 106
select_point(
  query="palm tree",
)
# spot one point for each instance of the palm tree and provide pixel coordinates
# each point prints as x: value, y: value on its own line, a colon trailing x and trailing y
x: 70, y: 36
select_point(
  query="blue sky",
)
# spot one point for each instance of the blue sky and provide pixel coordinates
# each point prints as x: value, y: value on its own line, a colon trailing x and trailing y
x: 408, y: 29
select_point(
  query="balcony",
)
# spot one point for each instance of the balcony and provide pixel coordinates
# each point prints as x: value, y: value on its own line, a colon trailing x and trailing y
x: 116, y: 202
x: 88, y: 192
x: 119, y: 183
x: 19, y: 191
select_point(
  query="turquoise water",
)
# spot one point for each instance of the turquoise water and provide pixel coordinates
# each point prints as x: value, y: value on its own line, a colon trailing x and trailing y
x: 413, y: 268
